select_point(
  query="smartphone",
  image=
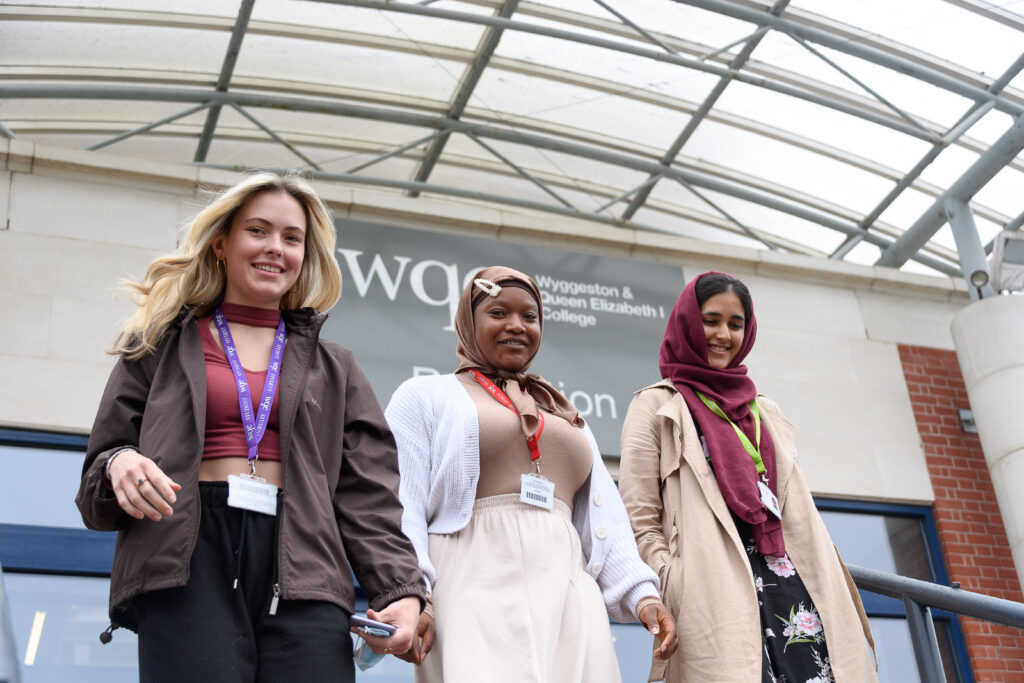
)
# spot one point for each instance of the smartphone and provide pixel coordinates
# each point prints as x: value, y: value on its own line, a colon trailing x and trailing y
x: 371, y: 627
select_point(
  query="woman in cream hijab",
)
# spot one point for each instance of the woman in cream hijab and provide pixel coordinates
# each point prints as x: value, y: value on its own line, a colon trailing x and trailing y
x: 519, y: 529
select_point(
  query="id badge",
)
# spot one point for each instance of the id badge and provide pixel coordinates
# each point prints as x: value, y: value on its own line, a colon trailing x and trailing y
x: 252, y: 493
x: 537, y: 491
x: 769, y: 500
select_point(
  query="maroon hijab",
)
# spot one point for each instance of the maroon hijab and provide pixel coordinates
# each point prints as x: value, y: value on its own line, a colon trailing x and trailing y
x: 684, y: 360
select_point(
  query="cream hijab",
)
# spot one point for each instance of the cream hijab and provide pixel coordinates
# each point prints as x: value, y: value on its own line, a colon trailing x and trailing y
x: 525, y: 390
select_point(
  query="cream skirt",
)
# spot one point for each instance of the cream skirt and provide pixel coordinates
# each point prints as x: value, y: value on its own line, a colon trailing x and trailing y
x: 513, y: 601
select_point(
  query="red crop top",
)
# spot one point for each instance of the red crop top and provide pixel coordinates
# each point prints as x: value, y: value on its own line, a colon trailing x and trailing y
x: 225, y: 436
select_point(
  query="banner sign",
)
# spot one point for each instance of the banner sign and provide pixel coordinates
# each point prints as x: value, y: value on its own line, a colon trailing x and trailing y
x: 604, y: 316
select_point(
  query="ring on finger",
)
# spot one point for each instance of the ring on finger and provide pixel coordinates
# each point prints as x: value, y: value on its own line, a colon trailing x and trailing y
x: 387, y: 649
x: 141, y: 482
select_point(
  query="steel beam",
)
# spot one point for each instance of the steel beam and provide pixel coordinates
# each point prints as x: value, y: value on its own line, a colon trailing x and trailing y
x: 857, y: 49
x: 224, y: 79
x: 1016, y: 223
x: 725, y: 214
x: 846, y: 247
x: 892, y: 122
x: 702, y: 111
x: 992, y: 11
x: 147, y: 127
x: 968, y: 120
x: 521, y: 171
x: 964, y: 188
x: 464, y: 193
x: 625, y: 20
x: 615, y: 200
x: 833, y: 99
x: 488, y: 45
x: 395, y: 152
x: 485, y: 131
x: 972, y: 116
x: 539, y: 206
x: 861, y: 84
x: 925, y: 161
x: 968, y: 245
x: 6, y: 132
x: 276, y: 138
x: 739, y: 41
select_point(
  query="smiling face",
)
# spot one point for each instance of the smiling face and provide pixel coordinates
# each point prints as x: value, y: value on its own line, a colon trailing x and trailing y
x: 724, y: 325
x: 263, y: 250
x: 508, y: 328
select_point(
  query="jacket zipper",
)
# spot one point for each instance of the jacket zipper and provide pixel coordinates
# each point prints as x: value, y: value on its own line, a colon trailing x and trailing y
x: 274, y: 600
x: 276, y: 588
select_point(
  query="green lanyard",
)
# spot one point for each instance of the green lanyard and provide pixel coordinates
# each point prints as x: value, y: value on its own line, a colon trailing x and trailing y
x: 755, y: 453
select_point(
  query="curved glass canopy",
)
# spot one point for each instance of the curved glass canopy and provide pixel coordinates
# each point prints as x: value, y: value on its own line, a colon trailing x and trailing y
x: 850, y: 131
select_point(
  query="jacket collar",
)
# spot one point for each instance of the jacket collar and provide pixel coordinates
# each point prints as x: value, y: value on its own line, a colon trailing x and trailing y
x: 303, y: 326
x: 778, y: 427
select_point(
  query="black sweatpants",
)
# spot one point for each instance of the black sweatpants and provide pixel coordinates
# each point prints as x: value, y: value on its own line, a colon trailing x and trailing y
x: 209, y: 631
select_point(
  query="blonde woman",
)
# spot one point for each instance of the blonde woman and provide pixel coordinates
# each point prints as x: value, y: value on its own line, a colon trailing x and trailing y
x: 244, y: 462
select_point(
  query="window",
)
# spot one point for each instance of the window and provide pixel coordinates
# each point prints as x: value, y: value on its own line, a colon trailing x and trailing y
x: 56, y: 574
x: 899, y: 539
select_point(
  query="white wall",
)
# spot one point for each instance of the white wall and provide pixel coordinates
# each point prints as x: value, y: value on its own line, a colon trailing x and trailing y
x: 73, y: 223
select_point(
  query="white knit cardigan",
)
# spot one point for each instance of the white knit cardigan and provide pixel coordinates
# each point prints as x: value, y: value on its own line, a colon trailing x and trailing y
x: 434, y: 421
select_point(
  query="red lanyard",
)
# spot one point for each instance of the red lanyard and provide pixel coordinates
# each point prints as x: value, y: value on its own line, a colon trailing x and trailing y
x: 504, y: 400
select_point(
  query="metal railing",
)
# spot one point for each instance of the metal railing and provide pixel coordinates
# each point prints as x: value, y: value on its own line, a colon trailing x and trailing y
x: 919, y: 597
x: 8, y: 658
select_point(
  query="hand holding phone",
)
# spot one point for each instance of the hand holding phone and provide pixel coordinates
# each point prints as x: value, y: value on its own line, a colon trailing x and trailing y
x: 371, y: 626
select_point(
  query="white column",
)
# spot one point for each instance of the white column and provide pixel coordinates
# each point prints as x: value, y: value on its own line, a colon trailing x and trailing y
x: 989, y: 340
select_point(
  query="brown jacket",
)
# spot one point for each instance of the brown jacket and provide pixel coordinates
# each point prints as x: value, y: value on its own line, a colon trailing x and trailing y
x: 685, y: 533
x: 340, y: 509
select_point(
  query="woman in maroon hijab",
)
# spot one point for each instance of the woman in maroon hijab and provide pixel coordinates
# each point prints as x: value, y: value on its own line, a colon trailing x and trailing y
x: 720, y: 509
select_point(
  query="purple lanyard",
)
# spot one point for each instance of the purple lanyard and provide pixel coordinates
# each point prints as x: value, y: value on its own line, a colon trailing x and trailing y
x: 254, y: 429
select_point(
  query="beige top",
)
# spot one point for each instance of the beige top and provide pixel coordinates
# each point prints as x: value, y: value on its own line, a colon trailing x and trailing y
x: 565, y: 455
x: 685, y: 533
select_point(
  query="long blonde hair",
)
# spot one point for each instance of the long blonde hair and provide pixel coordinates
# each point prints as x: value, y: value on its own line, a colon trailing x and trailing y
x: 192, y: 278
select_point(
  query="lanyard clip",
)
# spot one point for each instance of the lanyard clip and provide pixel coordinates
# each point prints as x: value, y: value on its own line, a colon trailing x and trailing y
x: 252, y: 467
x: 536, y: 464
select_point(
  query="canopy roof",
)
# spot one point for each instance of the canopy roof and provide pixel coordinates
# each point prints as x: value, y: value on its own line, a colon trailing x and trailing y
x: 833, y: 129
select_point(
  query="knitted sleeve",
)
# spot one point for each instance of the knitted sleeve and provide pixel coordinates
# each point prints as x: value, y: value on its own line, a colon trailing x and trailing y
x: 408, y: 414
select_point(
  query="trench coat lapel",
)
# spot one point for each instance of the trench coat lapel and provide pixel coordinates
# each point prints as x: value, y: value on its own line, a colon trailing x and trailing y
x: 687, y: 448
x: 782, y: 435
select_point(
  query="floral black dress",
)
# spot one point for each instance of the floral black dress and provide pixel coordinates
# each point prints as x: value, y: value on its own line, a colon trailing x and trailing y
x: 792, y: 636
x: 791, y: 631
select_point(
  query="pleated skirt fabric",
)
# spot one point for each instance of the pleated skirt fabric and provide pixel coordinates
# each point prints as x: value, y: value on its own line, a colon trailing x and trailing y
x: 513, y: 601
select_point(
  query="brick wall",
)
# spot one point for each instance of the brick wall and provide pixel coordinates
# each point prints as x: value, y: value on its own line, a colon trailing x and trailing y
x: 971, y: 530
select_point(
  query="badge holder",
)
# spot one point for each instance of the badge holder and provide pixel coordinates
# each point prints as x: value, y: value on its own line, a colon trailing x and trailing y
x: 247, y: 491
x: 537, y: 489
x: 769, y: 499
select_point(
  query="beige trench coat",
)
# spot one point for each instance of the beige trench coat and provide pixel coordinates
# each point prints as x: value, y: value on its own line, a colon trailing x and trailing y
x: 685, y: 533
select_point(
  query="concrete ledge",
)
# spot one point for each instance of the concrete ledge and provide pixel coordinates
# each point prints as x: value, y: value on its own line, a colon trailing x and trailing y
x: 20, y: 155
x: 153, y: 175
